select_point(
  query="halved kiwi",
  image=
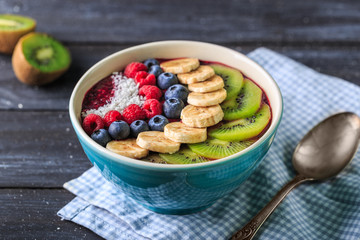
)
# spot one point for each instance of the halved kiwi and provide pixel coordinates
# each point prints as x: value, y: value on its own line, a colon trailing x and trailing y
x: 245, y: 104
x: 215, y: 148
x: 184, y: 156
x: 244, y: 128
x: 12, y: 28
x: 39, y: 59
x: 233, y: 79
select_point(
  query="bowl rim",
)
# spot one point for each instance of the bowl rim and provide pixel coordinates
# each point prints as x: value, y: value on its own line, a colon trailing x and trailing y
x: 170, y: 167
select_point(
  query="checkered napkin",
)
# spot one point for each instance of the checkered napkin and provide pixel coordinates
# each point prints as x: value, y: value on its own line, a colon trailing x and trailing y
x: 327, y: 210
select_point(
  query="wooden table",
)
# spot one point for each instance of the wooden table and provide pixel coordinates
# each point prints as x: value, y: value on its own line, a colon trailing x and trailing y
x: 38, y: 147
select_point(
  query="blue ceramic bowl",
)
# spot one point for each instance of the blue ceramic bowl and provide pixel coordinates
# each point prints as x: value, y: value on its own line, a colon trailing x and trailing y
x: 176, y: 189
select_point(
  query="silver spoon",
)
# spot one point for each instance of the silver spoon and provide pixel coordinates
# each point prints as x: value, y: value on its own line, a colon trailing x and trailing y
x: 323, y: 153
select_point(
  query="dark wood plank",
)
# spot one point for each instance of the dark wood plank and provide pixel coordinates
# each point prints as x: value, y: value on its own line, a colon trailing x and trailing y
x: 39, y: 149
x: 339, y: 61
x: 31, y: 214
x: 130, y: 21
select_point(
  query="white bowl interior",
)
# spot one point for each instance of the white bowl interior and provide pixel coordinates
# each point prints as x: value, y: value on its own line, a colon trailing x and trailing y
x: 175, y: 49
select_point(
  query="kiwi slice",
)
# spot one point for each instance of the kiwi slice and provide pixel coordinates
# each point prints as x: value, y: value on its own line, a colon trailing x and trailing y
x: 215, y: 148
x: 245, y: 104
x: 154, y: 158
x: 39, y: 59
x: 184, y: 156
x: 244, y: 128
x: 12, y: 28
x: 233, y: 79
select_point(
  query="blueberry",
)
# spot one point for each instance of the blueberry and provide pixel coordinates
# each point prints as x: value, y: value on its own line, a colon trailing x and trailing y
x: 156, y: 70
x: 150, y: 62
x: 119, y: 130
x: 177, y: 91
x: 137, y: 127
x: 166, y: 80
x: 158, y: 122
x: 101, y: 136
x: 172, y: 107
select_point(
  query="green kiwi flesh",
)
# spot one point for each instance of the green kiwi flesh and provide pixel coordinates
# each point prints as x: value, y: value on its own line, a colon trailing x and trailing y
x: 9, y: 22
x: 154, y: 158
x: 245, y: 104
x: 233, y: 79
x: 184, y: 156
x: 45, y: 53
x: 245, y: 128
x: 215, y: 148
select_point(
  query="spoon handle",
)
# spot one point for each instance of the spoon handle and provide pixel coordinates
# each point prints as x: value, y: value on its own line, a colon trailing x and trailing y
x: 249, y: 230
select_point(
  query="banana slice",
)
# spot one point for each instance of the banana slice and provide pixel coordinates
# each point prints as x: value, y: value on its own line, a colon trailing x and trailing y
x: 182, y: 65
x: 207, y: 99
x: 199, y: 75
x: 179, y: 132
x: 212, y: 84
x: 127, y: 148
x: 201, y: 117
x: 157, y: 142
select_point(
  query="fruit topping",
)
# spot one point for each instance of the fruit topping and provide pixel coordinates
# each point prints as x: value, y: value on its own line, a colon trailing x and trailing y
x: 199, y: 75
x: 177, y: 91
x: 119, y: 130
x: 182, y: 65
x: 91, y: 123
x: 150, y: 62
x: 143, y: 78
x: 212, y: 84
x: 207, y: 99
x: 137, y: 127
x: 132, y: 113
x: 150, y: 92
x: 154, y: 158
x: 244, y: 128
x: 111, y: 116
x: 152, y: 107
x: 158, y: 122
x: 156, y: 70
x: 134, y: 67
x: 172, y: 108
x: 215, y: 148
x: 39, y: 59
x: 157, y: 142
x: 184, y: 156
x: 166, y: 80
x: 245, y: 104
x: 101, y: 136
x: 193, y: 116
x: 127, y: 148
x: 179, y: 132
x: 233, y: 79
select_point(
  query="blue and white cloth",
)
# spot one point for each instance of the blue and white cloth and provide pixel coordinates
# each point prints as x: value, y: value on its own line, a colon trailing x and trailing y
x: 327, y: 210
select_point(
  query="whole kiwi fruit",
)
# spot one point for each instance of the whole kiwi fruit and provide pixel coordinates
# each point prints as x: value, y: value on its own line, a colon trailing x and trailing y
x: 39, y: 59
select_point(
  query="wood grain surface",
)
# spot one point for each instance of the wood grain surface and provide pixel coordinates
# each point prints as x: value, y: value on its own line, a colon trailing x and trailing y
x: 38, y: 147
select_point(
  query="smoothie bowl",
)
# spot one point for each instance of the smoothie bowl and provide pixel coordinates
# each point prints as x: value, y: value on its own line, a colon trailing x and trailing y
x: 176, y: 125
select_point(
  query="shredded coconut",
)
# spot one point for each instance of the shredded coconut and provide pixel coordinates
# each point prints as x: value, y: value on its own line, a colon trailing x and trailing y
x: 126, y: 93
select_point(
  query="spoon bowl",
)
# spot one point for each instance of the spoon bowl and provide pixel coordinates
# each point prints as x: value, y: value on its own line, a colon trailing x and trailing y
x: 322, y: 153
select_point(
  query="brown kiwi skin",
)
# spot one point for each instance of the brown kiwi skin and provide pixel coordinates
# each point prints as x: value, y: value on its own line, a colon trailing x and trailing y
x: 9, y: 39
x: 28, y: 74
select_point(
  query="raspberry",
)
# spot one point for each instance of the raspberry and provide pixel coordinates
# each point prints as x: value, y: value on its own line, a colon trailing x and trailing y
x: 152, y: 107
x: 133, y: 112
x: 150, y: 92
x: 143, y: 78
x: 134, y: 67
x: 91, y: 123
x: 111, y: 116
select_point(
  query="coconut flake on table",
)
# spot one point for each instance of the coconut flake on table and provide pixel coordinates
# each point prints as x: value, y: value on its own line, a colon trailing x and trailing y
x: 126, y: 93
